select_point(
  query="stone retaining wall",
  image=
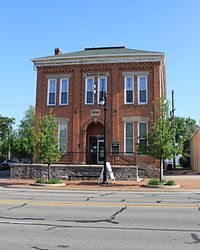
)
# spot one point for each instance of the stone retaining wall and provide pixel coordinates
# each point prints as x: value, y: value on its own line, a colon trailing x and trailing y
x: 34, y: 171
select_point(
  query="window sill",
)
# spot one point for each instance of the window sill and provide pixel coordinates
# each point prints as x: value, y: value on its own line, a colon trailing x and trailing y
x: 143, y: 103
x: 129, y: 154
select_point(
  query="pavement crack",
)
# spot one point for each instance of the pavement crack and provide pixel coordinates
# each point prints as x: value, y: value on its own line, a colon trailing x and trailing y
x: 25, y: 218
x: 105, y: 194
x: 118, y: 212
x: 88, y: 198
x: 109, y: 220
x: 195, y: 238
x: 63, y: 246
x: 17, y: 206
x: 38, y: 248
x: 198, y: 206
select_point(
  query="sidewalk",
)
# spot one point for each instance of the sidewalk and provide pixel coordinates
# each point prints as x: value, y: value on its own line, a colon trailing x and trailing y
x: 187, y: 183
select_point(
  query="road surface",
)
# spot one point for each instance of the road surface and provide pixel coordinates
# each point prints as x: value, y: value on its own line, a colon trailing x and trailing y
x: 53, y: 219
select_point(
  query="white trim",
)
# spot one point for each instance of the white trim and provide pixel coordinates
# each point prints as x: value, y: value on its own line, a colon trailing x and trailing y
x: 135, y: 73
x: 141, y: 103
x: 135, y: 119
x: 86, y: 90
x: 125, y: 77
x: 101, y: 77
x: 99, y: 141
x: 92, y: 60
x: 64, y: 104
x: 147, y: 130
x: 49, y: 93
x: 125, y: 153
x: 57, y: 76
x: 66, y: 123
x: 139, y: 128
x: 142, y: 55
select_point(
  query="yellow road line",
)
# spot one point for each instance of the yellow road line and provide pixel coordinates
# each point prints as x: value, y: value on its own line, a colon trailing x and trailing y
x: 95, y: 204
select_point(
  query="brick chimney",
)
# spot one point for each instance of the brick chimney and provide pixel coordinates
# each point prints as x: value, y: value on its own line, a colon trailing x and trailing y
x: 58, y: 51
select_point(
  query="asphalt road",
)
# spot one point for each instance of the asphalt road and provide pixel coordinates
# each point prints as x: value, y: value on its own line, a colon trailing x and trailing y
x: 43, y: 220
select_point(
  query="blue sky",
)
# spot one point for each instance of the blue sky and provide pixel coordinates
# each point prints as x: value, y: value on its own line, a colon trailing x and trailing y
x: 34, y: 28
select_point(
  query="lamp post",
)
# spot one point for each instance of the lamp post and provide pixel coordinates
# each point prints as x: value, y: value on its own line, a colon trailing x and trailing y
x: 103, y: 101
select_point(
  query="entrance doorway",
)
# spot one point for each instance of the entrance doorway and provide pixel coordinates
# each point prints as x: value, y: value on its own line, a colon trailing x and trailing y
x: 96, y: 150
x: 95, y: 144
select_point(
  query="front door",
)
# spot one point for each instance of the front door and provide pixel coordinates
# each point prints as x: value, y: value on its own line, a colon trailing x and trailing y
x: 93, y: 150
x: 96, y: 150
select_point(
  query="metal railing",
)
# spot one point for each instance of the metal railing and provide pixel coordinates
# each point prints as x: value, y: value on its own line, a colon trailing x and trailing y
x: 86, y: 158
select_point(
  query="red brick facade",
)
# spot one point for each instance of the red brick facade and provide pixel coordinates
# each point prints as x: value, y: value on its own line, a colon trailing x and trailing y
x: 81, y: 123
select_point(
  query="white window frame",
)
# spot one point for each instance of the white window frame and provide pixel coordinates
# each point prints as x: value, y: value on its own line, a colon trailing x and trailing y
x: 139, y: 102
x: 139, y: 131
x: 99, y: 90
x: 49, y: 92
x: 86, y: 90
x: 61, y: 79
x: 59, y: 125
x: 125, y: 89
x: 125, y: 153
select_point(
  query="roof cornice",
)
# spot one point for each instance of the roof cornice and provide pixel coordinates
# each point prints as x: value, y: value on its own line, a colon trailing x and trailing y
x: 150, y: 57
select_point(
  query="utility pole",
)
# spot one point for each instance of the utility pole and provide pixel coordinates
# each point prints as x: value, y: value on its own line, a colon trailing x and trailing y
x: 173, y: 126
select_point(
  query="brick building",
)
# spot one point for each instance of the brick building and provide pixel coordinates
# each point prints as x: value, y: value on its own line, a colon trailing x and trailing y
x: 71, y: 85
x: 195, y: 150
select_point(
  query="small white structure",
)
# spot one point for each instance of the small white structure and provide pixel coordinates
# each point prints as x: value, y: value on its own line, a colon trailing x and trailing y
x: 109, y: 172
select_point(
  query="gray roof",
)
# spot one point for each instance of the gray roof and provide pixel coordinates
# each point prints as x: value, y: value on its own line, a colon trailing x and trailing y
x: 101, y: 51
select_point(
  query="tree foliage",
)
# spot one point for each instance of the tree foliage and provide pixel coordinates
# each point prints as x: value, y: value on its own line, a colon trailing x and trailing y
x: 6, y: 136
x: 160, y: 138
x: 47, y: 149
x: 23, y: 146
x: 184, y: 129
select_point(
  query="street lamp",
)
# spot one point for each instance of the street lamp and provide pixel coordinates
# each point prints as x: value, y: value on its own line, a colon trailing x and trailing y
x: 103, y: 101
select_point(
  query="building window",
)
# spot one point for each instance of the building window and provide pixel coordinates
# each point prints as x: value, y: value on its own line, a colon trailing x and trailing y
x: 128, y: 138
x: 64, y: 85
x: 142, y: 90
x: 128, y: 90
x: 102, y: 86
x: 89, y: 90
x: 142, y: 137
x: 62, y: 136
x: 51, y: 92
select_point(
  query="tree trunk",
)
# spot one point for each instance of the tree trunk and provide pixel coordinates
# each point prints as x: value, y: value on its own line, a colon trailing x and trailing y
x: 161, y: 169
x: 174, y: 163
x: 48, y: 172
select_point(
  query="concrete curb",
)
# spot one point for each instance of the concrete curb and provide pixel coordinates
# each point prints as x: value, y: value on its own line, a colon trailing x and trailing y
x: 48, y: 185
x: 163, y: 186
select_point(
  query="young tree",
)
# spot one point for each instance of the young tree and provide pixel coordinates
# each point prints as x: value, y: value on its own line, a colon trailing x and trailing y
x: 160, y: 138
x: 47, y: 149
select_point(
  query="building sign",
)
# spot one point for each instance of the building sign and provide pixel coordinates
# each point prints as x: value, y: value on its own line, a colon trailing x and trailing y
x: 115, y: 148
x: 95, y: 112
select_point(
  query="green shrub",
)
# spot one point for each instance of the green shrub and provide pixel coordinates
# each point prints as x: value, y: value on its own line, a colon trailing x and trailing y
x: 154, y: 182
x: 50, y: 181
x: 170, y: 183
